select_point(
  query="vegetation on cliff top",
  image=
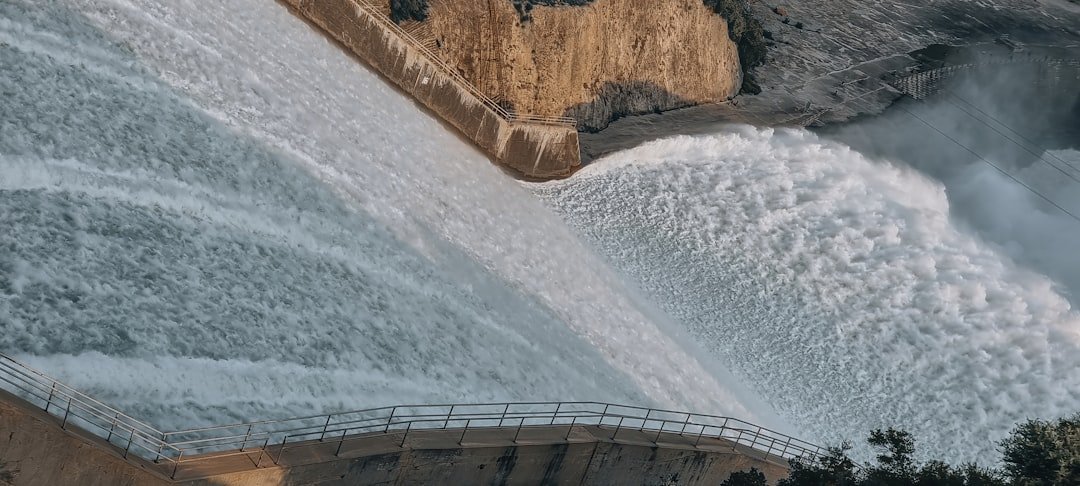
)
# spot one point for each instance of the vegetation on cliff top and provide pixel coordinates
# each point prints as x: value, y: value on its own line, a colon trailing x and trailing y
x: 402, y: 10
x: 524, y: 7
x: 1036, y: 453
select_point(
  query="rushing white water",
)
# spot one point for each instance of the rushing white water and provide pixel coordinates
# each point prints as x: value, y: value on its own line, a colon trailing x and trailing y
x: 210, y: 213
x: 836, y: 284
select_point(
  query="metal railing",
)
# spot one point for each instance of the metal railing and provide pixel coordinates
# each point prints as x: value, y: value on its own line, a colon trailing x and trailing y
x: 271, y: 439
x: 280, y: 435
x: 923, y: 84
x: 375, y: 13
x: 73, y: 407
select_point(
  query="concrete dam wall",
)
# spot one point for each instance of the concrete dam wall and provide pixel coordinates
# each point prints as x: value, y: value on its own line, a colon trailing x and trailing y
x: 53, y: 434
x: 39, y: 448
x: 535, y: 146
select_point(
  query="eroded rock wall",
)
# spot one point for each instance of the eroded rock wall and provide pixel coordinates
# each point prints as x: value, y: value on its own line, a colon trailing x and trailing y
x: 595, y: 62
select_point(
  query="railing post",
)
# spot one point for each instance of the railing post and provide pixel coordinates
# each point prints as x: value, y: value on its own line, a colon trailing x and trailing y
x: 448, y: 414
x: 341, y: 442
x: 617, y: 427
x: 570, y: 429
x: 556, y: 413
x: 176, y: 465
x: 112, y: 426
x: 786, y: 445
x: 646, y: 420
x: 48, y: 401
x: 756, y: 435
x: 63, y: 424
x: 702, y: 432
x: 462, y: 438
x: 684, y: 424
x: 768, y: 452
x: 503, y: 417
x: 324, y: 427
x: 262, y: 451
x: 281, y: 450
x: 247, y: 436
x: 658, y: 432
x: 405, y: 435
x: 131, y: 438
x: 389, y: 420
x: 603, y: 414
x: 516, y: 434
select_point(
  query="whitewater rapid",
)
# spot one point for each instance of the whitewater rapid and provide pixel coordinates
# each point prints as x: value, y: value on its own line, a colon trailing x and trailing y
x: 212, y: 214
x: 837, y: 285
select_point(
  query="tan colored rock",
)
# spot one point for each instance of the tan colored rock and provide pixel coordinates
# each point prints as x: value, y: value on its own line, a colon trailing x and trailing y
x: 594, y: 63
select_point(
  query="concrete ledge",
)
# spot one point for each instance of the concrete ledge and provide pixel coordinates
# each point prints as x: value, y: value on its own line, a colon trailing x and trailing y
x: 35, y: 450
x: 535, y: 149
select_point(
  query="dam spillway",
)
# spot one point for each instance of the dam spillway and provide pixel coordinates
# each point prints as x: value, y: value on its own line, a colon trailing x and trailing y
x: 201, y: 231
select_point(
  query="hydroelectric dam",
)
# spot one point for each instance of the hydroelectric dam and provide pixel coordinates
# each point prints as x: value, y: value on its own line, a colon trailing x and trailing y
x: 235, y: 213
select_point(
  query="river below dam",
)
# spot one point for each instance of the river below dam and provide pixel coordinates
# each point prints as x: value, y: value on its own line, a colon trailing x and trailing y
x: 211, y: 214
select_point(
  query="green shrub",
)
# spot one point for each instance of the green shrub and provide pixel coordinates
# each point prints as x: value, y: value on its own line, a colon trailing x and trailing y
x: 402, y: 10
x: 1036, y: 453
x: 753, y: 477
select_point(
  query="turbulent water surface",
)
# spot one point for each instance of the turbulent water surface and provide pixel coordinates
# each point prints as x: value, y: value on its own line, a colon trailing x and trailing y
x: 211, y: 214
x: 838, y: 285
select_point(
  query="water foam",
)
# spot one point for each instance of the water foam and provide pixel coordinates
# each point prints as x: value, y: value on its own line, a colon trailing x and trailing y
x: 836, y: 285
x: 212, y: 214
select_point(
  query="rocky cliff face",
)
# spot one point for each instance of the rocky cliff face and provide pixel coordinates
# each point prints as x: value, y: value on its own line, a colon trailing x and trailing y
x: 594, y: 62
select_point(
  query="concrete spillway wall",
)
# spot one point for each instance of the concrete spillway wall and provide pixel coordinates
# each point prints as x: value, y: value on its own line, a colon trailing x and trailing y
x: 535, y: 147
x: 37, y: 448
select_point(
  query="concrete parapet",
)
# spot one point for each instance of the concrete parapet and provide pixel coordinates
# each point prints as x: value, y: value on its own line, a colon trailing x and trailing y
x: 35, y: 450
x: 535, y: 148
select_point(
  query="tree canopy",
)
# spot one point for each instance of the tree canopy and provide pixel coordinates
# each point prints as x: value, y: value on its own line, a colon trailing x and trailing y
x: 1036, y: 453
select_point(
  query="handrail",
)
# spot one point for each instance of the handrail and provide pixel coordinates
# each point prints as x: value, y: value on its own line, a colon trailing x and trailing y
x: 77, y: 408
x: 271, y: 438
x: 379, y: 17
x: 913, y: 84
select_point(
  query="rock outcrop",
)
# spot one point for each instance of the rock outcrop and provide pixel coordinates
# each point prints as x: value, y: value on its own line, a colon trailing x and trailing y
x: 595, y: 62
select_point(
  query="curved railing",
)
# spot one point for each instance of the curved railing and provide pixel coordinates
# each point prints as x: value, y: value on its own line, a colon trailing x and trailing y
x: 73, y: 407
x: 271, y: 439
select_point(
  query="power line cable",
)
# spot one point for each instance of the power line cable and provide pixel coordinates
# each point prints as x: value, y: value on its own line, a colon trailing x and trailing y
x: 1006, y: 137
x: 1007, y: 127
x: 991, y: 164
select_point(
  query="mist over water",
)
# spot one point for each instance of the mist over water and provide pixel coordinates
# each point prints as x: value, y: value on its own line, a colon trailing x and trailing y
x: 1015, y: 121
x: 210, y: 214
x: 839, y: 286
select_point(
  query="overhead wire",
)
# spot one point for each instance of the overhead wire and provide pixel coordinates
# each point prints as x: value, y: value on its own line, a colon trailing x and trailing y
x: 1018, y: 144
x: 1007, y: 127
x: 991, y: 164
